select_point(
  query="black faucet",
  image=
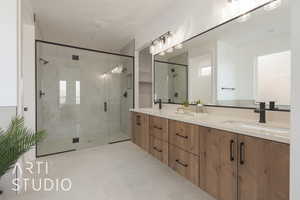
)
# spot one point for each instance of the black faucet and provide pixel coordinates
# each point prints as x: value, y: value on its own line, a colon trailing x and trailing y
x: 159, y: 103
x: 262, y: 112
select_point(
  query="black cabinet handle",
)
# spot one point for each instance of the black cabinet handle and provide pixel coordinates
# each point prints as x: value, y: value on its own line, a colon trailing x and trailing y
x: 105, y: 106
x: 182, y: 164
x: 156, y: 127
x: 184, y: 137
x: 242, y: 153
x: 158, y: 150
x: 42, y: 93
x: 138, y: 120
x: 232, y: 150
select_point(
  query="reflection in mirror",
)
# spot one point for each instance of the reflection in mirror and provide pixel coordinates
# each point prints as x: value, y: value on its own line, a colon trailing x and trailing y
x: 237, y: 64
x: 171, y: 79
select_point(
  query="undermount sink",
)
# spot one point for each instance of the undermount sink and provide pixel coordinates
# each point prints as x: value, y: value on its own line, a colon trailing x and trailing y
x: 258, y: 127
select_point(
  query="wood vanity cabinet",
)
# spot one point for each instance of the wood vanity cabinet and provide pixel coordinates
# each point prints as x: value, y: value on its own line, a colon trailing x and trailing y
x: 159, y: 149
x: 184, y: 163
x: 184, y: 136
x: 228, y: 166
x: 237, y: 167
x: 263, y: 169
x: 218, y: 163
x: 141, y: 135
x: 159, y: 128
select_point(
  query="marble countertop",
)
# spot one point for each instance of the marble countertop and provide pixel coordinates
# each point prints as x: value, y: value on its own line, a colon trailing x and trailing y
x: 269, y: 131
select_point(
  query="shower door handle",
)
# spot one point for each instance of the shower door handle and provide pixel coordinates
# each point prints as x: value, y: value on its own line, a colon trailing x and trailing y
x: 42, y: 93
x: 105, y: 106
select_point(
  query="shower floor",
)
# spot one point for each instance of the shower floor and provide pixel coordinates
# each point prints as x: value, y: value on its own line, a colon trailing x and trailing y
x: 57, y: 145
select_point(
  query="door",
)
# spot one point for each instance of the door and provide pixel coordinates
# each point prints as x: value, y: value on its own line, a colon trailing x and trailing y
x: 263, y: 169
x: 218, y: 167
x: 58, y: 99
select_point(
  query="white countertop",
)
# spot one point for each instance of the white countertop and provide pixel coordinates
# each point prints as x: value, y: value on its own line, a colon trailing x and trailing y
x: 223, y: 123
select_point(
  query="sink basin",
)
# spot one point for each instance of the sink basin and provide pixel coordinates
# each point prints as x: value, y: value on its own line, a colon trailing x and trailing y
x: 258, y: 127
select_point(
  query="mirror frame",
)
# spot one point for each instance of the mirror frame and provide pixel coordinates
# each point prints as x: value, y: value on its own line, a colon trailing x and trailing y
x: 203, y: 33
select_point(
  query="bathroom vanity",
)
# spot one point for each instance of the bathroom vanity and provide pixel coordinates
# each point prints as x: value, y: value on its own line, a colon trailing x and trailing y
x: 242, y: 66
x: 223, y: 157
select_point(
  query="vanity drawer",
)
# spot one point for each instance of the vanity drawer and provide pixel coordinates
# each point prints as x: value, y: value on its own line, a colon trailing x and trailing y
x: 140, y: 135
x: 185, y: 136
x: 186, y: 164
x: 159, y: 149
x: 159, y: 128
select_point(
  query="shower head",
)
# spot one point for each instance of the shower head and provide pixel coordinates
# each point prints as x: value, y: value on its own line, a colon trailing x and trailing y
x: 43, y: 61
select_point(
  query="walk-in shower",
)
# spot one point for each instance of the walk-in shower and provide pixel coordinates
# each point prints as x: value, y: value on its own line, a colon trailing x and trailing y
x: 83, y: 97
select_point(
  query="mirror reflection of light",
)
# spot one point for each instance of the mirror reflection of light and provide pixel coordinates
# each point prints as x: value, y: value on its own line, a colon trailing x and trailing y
x: 204, y: 71
x: 273, y: 5
x: 244, y: 18
x: 117, y: 70
x: 179, y: 46
x: 170, y: 50
x: 103, y: 76
x: 162, y: 53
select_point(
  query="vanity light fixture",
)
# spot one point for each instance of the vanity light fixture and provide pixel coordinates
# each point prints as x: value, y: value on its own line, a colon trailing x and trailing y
x: 273, y: 5
x: 159, y: 43
x: 117, y: 70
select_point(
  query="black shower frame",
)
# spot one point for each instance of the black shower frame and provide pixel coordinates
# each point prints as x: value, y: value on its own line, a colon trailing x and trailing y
x: 79, y: 48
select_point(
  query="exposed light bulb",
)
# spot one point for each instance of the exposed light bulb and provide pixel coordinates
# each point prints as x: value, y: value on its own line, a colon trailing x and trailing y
x: 103, y: 76
x: 152, y: 49
x: 169, y: 40
x: 273, y: 5
x: 162, y: 53
x: 179, y: 46
x: 170, y: 50
x: 244, y: 18
x: 160, y: 45
x: 117, y: 70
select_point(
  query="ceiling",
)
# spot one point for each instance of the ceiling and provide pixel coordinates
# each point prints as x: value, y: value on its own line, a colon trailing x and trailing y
x: 100, y: 24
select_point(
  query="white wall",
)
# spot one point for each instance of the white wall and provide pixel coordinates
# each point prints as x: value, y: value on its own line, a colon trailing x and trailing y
x: 295, y: 118
x: 186, y: 19
x: 8, y: 52
x: 200, y: 86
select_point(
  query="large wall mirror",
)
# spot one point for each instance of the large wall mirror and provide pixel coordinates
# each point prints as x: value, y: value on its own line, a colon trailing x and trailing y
x: 237, y: 64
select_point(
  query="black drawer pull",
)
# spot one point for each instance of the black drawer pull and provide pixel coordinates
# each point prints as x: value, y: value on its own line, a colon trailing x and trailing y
x: 138, y: 120
x: 232, y: 150
x: 156, y: 127
x: 185, y: 137
x: 182, y: 164
x: 158, y: 150
x: 242, y: 153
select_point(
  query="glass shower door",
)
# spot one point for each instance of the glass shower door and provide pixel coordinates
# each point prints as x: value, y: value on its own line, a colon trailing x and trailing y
x: 83, y: 98
x: 58, y: 84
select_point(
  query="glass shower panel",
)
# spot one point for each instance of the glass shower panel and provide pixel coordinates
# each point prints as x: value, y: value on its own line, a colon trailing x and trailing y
x: 57, y: 110
x: 120, y: 99
x: 84, y: 98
